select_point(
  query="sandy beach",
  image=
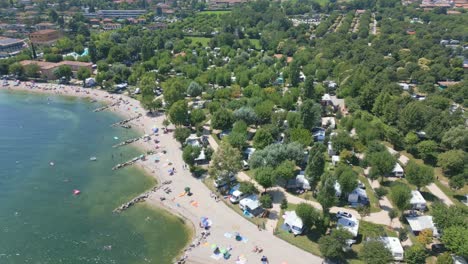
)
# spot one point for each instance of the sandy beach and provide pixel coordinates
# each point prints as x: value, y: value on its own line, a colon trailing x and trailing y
x: 225, y: 222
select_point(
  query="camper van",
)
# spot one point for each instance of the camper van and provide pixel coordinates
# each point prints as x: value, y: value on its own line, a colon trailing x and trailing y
x: 251, y: 205
x: 236, y: 196
x: 220, y: 181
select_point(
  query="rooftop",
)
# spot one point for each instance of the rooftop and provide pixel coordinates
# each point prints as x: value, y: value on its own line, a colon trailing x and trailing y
x: 352, y: 225
x: 392, y: 243
x: 418, y: 223
x: 8, y: 41
x: 417, y: 198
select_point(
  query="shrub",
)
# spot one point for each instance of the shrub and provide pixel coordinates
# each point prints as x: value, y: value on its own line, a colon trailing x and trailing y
x: 284, y: 204
x: 266, y: 201
x: 381, y: 192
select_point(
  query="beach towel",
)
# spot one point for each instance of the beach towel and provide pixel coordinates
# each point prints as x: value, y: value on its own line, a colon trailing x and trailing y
x: 195, y: 204
x: 217, y: 256
x: 227, y: 235
x: 182, y: 194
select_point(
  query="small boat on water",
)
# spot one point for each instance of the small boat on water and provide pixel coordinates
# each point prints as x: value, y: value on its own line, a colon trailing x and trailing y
x: 93, y: 159
x: 51, y: 163
x: 76, y: 192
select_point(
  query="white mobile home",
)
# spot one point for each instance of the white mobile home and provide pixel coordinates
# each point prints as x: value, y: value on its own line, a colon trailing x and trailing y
x: 417, y: 201
x: 419, y: 223
x: 398, y: 170
x: 394, y: 245
x: 293, y: 222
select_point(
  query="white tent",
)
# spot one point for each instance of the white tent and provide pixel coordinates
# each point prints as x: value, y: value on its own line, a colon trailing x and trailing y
x: 398, y: 170
x: 293, y: 222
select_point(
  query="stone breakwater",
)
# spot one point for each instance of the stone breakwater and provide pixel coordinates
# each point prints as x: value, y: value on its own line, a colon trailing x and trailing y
x: 106, y: 107
x: 140, y: 198
x: 123, y: 122
x: 130, y: 162
x: 126, y: 142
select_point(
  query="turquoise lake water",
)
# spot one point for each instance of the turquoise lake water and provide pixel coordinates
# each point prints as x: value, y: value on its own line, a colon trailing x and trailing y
x: 41, y: 221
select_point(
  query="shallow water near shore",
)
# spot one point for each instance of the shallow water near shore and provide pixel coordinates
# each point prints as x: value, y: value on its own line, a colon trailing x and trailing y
x: 41, y: 221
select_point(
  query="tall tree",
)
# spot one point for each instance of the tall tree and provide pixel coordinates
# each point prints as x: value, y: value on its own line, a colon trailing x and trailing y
x: 178, y: 113
x: 455, y: 238
x: 83, y: 74
x: 309, y: 89
x: 327, y: 193
x: 452, y: 161
x: 266, y: 177
x: 310, y: 114
x: 226, y: 160
x: 331, y: 246
x: 400, y: 195
x: 316, y: 163
x: 419, y: 175
x: 308, y: 214
x: 375, y: 252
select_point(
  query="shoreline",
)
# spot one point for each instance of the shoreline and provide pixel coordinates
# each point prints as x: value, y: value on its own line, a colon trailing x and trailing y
x: 105, y: 98
x: 168, y: 154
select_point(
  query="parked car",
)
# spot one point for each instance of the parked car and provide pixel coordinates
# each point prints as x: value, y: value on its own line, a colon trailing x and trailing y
x: 438, y: 248
x: 343, y: 214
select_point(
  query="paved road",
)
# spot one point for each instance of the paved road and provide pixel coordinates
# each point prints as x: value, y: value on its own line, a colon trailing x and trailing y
x: 435, y: 190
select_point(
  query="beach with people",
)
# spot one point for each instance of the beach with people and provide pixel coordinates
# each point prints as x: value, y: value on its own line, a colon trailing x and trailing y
x: 220, y: 234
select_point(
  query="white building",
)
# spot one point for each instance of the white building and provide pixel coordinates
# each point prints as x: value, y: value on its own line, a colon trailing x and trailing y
x: 417, y: 201
x: 394, y: 245
x: 349, y: 224
x: 419, y: 223
x: 335, y: 159
x: 398, y: 170
x: 293, y: 222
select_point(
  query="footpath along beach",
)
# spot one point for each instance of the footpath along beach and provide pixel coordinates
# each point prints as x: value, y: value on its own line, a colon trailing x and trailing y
x: 167, y: 156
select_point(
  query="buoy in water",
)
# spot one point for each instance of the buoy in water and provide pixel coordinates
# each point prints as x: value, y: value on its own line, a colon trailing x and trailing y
x: 51, y: 163
x: 93, y: 159
x: 76, y: 192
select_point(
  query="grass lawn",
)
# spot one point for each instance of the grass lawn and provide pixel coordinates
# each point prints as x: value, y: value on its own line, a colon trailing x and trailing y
x: 216, y: 12
x: 203, y: 41
x: 308, y: 242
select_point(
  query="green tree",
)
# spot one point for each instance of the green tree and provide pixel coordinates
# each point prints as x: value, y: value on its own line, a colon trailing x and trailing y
x: 445, y: 217
x: 32, y: 71
x: 247, y: 188
x: 309, y: 89
x: 274, y: 154
x: 266, y: 177
x: 262, y: 138
x: 194, y: 89
x: 16, y: 69
x: 264, y: 110
x: 83, y: 74
x: 181, y: 134
x: 327, y: 194
x: 301, y: 135
x: 309, y: 215
x: 382, y: 163
x: 456, y: 138
x: 315, y: 163
x: 222, y: 119
x: 178, y: 113
x: 286, y: 170
x: 237, y: 140
x: 294, y: 72
x: 347, y: 180
x: 427, y: 149
x: 452, y: 161
x: 226, y: 161
x: 310, y: 114
x: 331, y: 246
x: 444, y: 258
x: 415, y: 254
x: 266, y: 201
x: 174, y: 90
x: 190, y: 153
x: 63, y: 71
x: 375, y: 252
x: 455, y: 238
x: 197, y: 116
x: 342, y: 141
x: 419, y: 175
x: 400, y: 196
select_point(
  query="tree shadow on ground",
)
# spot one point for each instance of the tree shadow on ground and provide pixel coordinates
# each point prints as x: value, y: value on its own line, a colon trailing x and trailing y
x: 429, y: 196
